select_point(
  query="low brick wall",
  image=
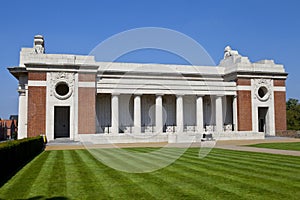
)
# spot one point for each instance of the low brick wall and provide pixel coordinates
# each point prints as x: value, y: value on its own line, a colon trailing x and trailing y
x: 288, y: 133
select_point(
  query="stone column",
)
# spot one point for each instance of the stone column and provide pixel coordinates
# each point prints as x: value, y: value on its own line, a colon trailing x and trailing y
x: 219, y: 114
x: 22, y: 124
x: 137, y: 114
x: 179, y: 113
x: 199, y: 114
x: 234, y: 113
x: 158, y: 114
x: 115, y: 114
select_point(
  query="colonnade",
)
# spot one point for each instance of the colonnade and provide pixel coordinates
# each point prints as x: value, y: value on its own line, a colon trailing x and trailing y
x: 137, y: 128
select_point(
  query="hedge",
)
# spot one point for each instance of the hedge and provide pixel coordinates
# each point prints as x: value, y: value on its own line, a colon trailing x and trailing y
x: 17, y: 153
x: 288, y: 133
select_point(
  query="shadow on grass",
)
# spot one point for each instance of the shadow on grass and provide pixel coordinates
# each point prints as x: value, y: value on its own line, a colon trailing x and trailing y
x: 14, y: 170
x: 15, y: 154
x: 42, y: 197
x: 45, y: 198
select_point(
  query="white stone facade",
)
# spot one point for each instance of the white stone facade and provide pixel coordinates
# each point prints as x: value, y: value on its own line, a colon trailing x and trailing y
x: 132, y: 102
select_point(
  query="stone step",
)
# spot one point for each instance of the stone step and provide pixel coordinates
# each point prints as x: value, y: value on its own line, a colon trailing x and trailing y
x: 63, y: 141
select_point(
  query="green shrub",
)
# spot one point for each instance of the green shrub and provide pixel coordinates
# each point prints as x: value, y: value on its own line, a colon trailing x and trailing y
x: 17, y: 153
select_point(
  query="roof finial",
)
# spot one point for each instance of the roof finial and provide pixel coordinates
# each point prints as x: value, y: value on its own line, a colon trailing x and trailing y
x: 229, y: 52
x: 38, y: 44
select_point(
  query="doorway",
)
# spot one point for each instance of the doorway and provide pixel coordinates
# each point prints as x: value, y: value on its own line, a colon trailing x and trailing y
x: 262, y: 118
x: 61, y: 121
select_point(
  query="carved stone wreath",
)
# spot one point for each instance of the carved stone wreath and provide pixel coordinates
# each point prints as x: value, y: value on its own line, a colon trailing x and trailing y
x: 263, y: 89
x: 61, y: 78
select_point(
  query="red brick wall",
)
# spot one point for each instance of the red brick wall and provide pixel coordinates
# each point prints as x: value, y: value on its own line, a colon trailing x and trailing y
x: 86, y: 77
x: 280, y: 110
x: 244, y: 110
x: 86, y: 110
x: 244, y: 106
x: 243, y: 81
x: 36, y: 111
x: 37, y: 76
x: 279, y: 82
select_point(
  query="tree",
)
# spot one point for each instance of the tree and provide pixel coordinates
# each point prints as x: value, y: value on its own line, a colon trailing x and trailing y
x: 293, y: 114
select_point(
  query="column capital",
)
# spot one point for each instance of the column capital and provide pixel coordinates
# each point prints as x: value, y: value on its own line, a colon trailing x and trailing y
x: 159, y: 94
x: 115, y: 94
x: 179, y: 95
x: 22, y: 92
x: 22, y: 89
x: 200, y: 95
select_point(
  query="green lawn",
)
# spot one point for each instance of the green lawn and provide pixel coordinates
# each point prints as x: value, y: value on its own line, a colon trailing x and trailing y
x: 223, y: 174
x: 285, y: 146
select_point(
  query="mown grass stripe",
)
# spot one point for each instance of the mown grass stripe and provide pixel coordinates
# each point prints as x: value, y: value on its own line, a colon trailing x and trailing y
x: 249, y: 159
x: 190, y: 184
x: 260, y: 156
x: 28, y: 174
x: 255, y: 155
x: 117, y: 183
x: 246, y: 165
x: 267, y: 182
x: 57, y: 183
x: 149, y: 182
x: 267, y: 169
x: 243, y: 170
x: 115, y: 158
x: 132, y: 161
x: 73, y: 184
x: 223, y: 174
x: 183, y: 194
x: 191, y: 181
x: 40, y: 185
x: 294, y: 146
x: 269, y: 159
x: 225, y: 179
x: 280, y: 164
x: 280, y: 174
x: 101, y: 192
x: 267, y: 174
x: 84, y: 176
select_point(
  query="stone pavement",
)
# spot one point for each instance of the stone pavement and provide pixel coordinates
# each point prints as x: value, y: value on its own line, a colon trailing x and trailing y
x: 78, y: 145
x: 238, y: 145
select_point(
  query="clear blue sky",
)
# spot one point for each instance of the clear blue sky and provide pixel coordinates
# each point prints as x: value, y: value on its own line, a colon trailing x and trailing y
x: 268, y: 29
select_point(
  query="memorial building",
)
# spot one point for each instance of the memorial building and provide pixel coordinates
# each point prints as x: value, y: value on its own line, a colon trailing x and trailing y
x: 75, y: 97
